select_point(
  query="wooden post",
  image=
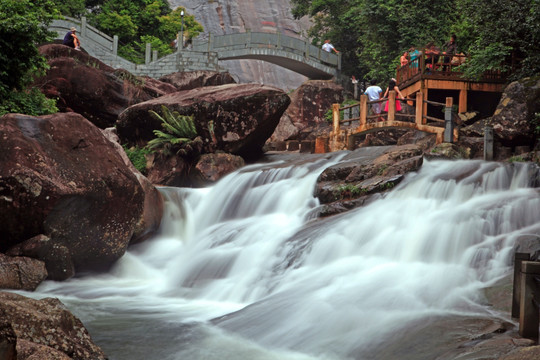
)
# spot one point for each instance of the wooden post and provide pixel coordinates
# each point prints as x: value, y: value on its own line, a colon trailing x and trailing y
x: 448, y: 123
x: 516, y: 293
x: 391, y: 105
x: 462, y: 101
x: 419, y: 108
x: 425, y: 105
x: 363, y: 110
x: 488, y: 143
x: 335, y: 118
x: 528, y: 305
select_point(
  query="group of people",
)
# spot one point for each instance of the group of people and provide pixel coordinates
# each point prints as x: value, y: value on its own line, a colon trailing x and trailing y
x: 432, y: 53
x: 72, y: 40
x: 374, y: 93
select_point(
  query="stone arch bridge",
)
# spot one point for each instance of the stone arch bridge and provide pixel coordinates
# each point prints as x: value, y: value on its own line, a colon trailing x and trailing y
x: 292, y: 53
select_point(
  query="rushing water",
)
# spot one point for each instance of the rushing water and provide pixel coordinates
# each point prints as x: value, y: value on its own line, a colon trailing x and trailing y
x: 242, y: 270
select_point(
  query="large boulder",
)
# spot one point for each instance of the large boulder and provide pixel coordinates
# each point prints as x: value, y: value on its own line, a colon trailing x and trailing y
x: 194, y: 79
x: 85, y: 85
x: 60, y: 177
x: 234, y: 118
x: 42, y: 329
x: 514, y: 119
x: 305, y: 118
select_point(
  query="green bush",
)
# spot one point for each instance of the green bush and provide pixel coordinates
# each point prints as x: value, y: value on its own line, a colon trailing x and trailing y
x: 31, y: 102
x: 137, y: 156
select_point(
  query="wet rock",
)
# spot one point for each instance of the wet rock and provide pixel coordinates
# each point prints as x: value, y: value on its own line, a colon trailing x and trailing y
x: 44, y: 329
x: 212, y: 167
x: 150, y: 220
x: 234, y: 118
x: 21, y: 273
x: 56, y: 257
x: 60, y: 177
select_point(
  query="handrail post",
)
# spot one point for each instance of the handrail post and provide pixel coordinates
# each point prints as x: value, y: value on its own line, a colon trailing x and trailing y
x: 516, y: 291
x: 448, y: 123
x: 391, y: 105
x: 115, y: 45
x: 335, y: 118
x: 363, y: 110
x: 419, y: 108
x: 529, y: 298
x: 148, y: 53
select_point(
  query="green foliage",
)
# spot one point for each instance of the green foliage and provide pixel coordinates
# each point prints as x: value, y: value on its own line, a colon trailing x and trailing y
x: 137, y: 156
x: 372, y: 34
x: 73, y: 8
x: 23, y: 25
x: 536, y: 124
x: 328, y: 116
x: 178, y: 133
x: 30, y: 102
x: 348, y: 191
x: 137, y: 22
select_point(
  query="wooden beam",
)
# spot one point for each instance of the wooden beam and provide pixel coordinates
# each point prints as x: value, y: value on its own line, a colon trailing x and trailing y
x: 363, y: 109
x: 462, y: 107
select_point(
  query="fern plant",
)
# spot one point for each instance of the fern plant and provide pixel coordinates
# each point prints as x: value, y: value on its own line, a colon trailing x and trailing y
x: 179, y: 134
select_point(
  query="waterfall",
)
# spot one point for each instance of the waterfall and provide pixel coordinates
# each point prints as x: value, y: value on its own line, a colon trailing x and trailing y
x: 244, y: 270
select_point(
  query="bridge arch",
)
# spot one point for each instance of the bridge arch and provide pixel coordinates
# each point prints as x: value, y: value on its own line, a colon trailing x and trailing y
x: 292, y: 53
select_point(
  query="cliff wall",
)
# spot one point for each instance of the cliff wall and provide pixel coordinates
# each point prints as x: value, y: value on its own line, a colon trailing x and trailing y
x: 234, y: 16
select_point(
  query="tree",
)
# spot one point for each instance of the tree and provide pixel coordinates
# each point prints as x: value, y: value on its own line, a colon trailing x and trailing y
x: 23, y: 25
x: 137, y: 22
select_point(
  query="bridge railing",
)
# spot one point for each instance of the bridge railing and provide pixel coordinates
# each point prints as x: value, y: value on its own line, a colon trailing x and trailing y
x: 277, y: 41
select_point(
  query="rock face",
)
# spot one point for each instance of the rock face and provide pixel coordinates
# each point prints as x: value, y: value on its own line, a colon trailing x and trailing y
x: 352, y: 183
x: 60, y: 177
x: 195, y: 79
x: 234, y: 118
x: 305, y: 117
x: 42, y: 329
x: 234, y: 16
x: 87, y: 86
x: 21, y: 273
x: 513, y: 120
x: 212, y: 167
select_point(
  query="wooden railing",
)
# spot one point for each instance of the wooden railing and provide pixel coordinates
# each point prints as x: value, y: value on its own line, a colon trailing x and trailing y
x: 443, y: 128
x: 447, y: 66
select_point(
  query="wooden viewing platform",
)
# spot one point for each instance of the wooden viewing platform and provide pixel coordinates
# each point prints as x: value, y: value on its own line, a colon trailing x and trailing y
x: 432, y: 88
x: 436, y: 80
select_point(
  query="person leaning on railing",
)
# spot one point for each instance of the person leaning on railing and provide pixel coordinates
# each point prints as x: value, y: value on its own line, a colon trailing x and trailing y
x: 392, y: 85
x: 450, y: 49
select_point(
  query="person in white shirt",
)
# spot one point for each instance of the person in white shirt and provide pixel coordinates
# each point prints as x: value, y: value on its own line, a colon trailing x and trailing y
x: 329, y: 47
x: 373, y: 93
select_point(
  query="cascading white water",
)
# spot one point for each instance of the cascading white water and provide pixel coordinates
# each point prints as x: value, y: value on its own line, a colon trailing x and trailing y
x: 241, y: 270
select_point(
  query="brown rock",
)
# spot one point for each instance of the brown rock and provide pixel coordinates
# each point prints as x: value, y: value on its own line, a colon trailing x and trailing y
x: 235, y: 118
x: 56, y: 257
x: 150, y: 219
x: 194, y: 79
x: 59, y: 176
x: 21, y: 273
x: 45, y: 330
x: 309, y: 105
x: 87, y: 86
x: 212, y: 167
x: 513, y: 119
